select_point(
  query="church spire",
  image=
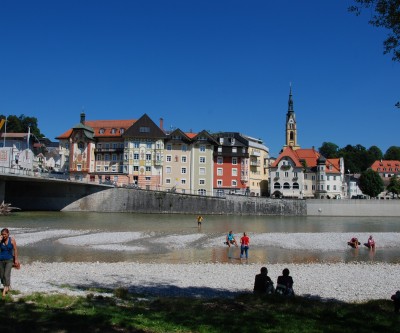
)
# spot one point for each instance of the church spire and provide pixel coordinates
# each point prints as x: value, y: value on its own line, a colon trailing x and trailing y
x: 290, y: 102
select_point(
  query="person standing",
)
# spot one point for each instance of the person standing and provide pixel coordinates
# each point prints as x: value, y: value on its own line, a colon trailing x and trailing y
x: 244, y: 246
x: 199, y: 220
x: 8, y: 257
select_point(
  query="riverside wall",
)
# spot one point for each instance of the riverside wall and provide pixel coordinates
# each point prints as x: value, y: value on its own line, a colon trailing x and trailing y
x: 377, y: 208
x: 142, y: 201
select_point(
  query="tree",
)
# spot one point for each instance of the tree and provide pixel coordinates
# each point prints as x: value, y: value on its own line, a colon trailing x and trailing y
x: 328, y: 150
x: 355, y: 158
x: 374, y: 154
x: 394, y: 186
x: 20, y: 125
x: 386, y: 15
x: 371, y: 183
x: 393, y: 153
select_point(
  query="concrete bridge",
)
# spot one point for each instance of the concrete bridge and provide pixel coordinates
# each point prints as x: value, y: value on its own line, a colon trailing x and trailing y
x: 30, y: 191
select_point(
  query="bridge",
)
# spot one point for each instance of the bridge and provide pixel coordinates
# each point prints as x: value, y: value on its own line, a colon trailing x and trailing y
x: 30, y: 190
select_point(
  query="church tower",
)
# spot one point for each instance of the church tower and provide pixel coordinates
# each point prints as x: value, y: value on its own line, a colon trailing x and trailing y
x: 291, y: 126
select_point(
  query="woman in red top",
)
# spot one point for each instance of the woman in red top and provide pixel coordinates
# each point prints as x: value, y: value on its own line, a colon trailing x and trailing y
x: 244, y: 245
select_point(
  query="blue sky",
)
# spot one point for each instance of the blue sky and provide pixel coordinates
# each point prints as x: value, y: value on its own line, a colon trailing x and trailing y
x: 214, y: 65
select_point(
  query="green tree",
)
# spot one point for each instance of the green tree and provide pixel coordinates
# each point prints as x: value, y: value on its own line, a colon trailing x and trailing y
x: 329, y: 150
x: 374, y: 154
x: 20, y: 124
x: 393, y: 153
x: 384, y: 14
x: 371, y: 183
x: 394, y: 186
x: 355, y: 158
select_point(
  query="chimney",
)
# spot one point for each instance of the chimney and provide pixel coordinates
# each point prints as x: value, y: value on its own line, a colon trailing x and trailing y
x: 83, y: 118
x: 162, y: 124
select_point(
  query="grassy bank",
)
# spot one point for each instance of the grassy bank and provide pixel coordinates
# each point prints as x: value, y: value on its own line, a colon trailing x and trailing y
x: 246, y: 313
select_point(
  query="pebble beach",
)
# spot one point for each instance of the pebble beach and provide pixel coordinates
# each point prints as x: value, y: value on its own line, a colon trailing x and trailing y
x: 331, y: 281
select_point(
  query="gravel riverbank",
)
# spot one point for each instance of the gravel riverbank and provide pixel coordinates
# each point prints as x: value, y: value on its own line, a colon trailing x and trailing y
x: 350, y: 282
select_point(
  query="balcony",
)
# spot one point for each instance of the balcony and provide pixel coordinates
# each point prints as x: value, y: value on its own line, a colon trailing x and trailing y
x: 255, y: 163
x: 109, y: 150
x: 255, y: 152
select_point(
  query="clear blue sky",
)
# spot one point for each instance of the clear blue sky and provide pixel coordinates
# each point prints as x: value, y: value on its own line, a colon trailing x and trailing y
x: 214, y: 65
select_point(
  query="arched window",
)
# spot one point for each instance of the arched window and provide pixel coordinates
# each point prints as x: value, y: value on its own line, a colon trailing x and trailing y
x: 202, y: 191
x: 291, y: 136
x: 277, y: 185
x: 296, y: 186
x: 286, y: 186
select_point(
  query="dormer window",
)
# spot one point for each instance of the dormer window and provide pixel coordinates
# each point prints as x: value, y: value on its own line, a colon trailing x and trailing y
x: 122, y: 130
x: 113, y: 130
x: 101, y: 131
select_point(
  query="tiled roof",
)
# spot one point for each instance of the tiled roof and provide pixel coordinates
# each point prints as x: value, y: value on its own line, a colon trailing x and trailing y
x: 103, y: 128
x: 191, y: 135
x: 309, y: 156
x: 385, y: 165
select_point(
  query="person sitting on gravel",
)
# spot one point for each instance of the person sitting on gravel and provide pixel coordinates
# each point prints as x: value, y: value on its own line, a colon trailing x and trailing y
x: 284, y: 285
x: 396, y: 299
x: 354, y: 242
x: 230, y: 239
x: 263, y: 284
x: 370, y: 243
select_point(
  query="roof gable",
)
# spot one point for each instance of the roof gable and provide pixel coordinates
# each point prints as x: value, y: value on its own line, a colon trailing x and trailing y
x: 145, y: 128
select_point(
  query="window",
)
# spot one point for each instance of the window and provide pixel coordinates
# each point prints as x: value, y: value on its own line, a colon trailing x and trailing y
x: 219, y: 182
x: 125, y: 157
x: 220, y: 149
x: 295, y: 174
x: 296, y: 186
x: 321, y: 187
x: 136, y: 144
x: 202, y: 171
x: 184, y: 148
x: 183, y: 171
x: 219, y: 172
x: 202, y: 148
x: 148, y: 168
x: 114, y: 168
x: 327, y: 177
x: 220, y: 160
x: 135, y: 168
x: 286, y: 186
x: 286, y: 174
x: 328, y: 187
x: 107, y: 145
x: 234, y: 183
x: 202, y: 191
x: 101, y: 131
x: 169, y: 158
x: 334, y: 187
x: 125, y: 169
x: 144, y: 129
x: 99, y: 157
x: 136, y: 156
x: 183, y: 159
x: 183, y: 181
x: 168, y: 170
x: 202, y: 181
x: 98, y: 168
x: 147, y: 178
x: 202, y: 159
x: 122, y: 130
x: 114, y: 157
x: 234, y: 149
x: 234, y: 172
x: 148, y: 145
x: 234, y: 160
x: 106, y: 157
x: 277, y: 185
x: 148, y: 157
x: 313, y: 187
x: 313, y: 177
x: 322, y: 177
x: 168, y: 181
x: 305, y: 187
x: 106, y: 168
x: 113, y: 130
x: 305, y: 176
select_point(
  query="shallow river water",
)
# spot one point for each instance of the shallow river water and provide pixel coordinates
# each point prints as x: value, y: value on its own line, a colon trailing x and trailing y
x: 114, y: 237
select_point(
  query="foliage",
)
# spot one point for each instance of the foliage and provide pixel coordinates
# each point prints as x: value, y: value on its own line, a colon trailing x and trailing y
x: 394, y: 186
x: 328, y: 150
x: 20, y: 124
x: 386, y: 15
x: 244, y: 313
x: 393, y: 153
x: 371, y: 183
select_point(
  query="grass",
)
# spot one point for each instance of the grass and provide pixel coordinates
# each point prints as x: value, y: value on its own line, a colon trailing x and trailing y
x: 125, y: 312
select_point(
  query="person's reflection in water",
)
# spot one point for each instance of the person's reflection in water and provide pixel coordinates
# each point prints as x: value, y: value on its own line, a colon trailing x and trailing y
x: 371, y: 254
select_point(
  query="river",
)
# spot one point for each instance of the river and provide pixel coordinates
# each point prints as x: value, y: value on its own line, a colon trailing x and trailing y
x: 115, y: 237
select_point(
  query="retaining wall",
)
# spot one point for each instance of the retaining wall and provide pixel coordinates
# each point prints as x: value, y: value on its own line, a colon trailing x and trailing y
x: 142, y: 201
